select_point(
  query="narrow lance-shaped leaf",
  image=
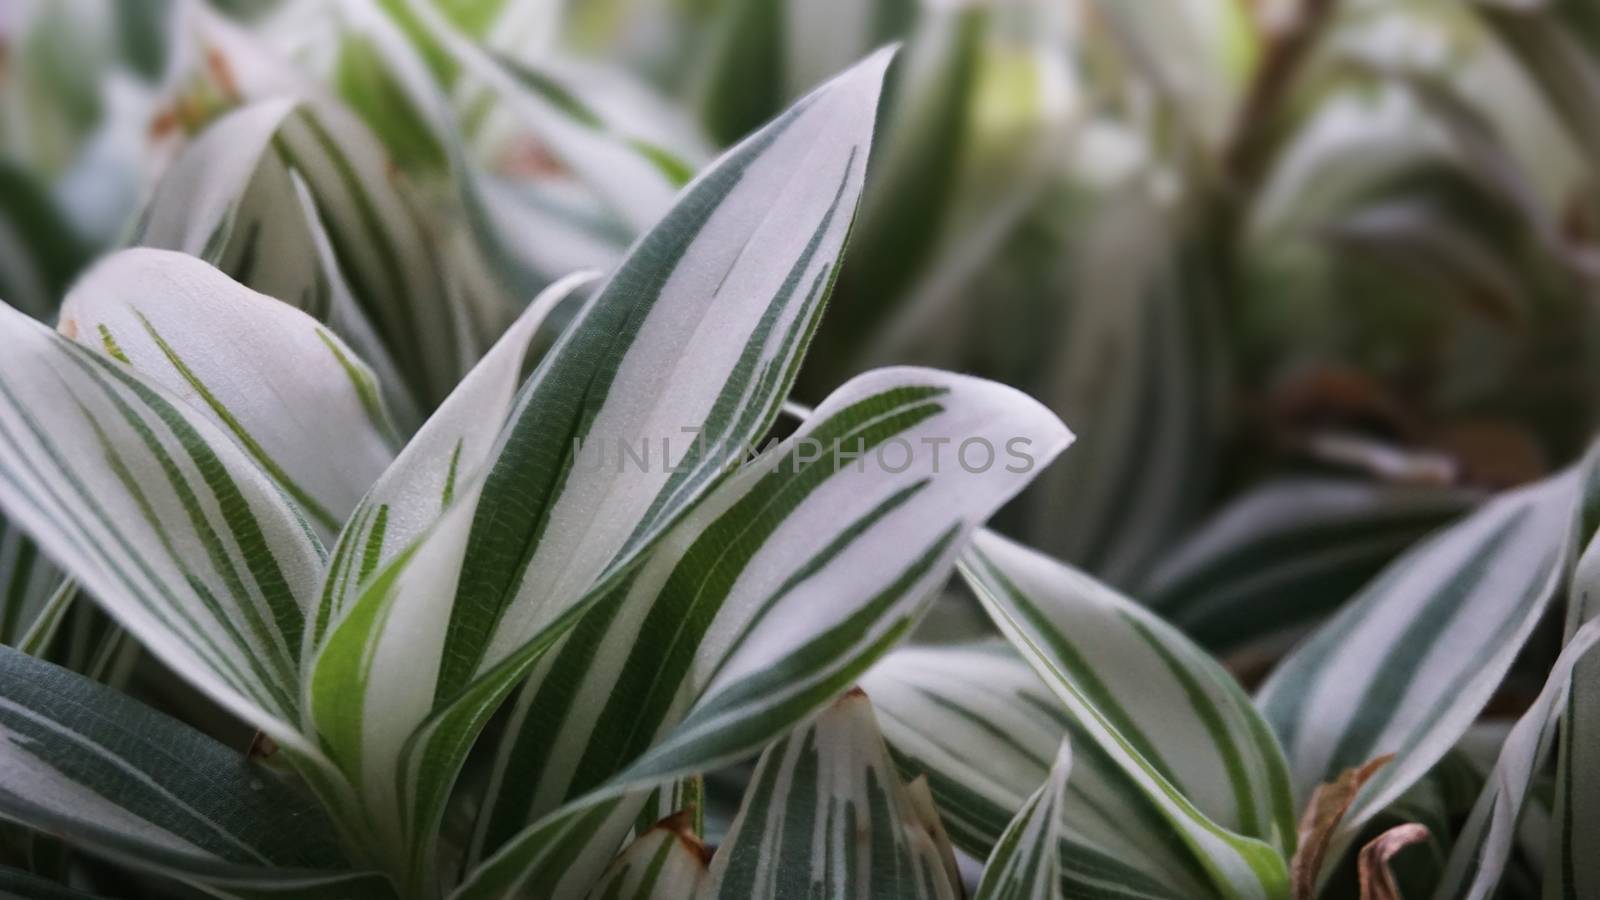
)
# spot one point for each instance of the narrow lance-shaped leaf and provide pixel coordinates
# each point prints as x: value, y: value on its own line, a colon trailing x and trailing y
x: 1189, y: 761
x: 981, y: 726
x: 86, y: 763
x: 386, y: 249
x: 1026, y: 862
x: 792, y: 578
x: 683, y: 357
x: 443, y: 459
x: 231, y: 199
x: 162, y: 517
x: 1571, y: 872
x: 977, y: 721
x: 1479, y: 858
x: 636, y: 180
x: 1410, y: 662
x: 826, y: 808
x: 293, y: 396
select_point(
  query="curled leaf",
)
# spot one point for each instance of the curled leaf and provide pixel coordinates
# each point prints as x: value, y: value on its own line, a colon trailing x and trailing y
x: 1320, y: 822
x: 1377, y: 879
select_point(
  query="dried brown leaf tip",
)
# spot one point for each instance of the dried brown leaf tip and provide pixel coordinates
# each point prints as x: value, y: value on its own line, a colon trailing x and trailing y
x: 1377, y: 879
x: 1318, y: 824
x: 681, y: 824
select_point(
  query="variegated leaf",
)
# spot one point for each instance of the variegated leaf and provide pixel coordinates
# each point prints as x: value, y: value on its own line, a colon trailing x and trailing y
x: 449, y: 453
x: 1026, y: 863
x: 978, y: 722
x: 1479, y: 858
x: 681, y: 360
x: 385, y: 248
x: 826, y: 809
x: 84, y: 762
x: 784, y: 585
x: 1410, y: 662
x: 1570, y: 871
x: 229, y: 199
x: 667, y: 862
x: 981, y: 726
x: 1189, y: 765
x: 232, y: 200
x: 636, y: 178
x: 294, y: 398
x: 160, y: 515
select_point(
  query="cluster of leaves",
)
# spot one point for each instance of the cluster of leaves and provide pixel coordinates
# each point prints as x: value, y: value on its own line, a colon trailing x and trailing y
x: 502, y: 594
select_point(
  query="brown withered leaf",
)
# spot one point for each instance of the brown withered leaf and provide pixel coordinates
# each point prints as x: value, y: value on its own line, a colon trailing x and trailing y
x: 1329, y: 802
x: 681, y: 824
x: 1377, y: 879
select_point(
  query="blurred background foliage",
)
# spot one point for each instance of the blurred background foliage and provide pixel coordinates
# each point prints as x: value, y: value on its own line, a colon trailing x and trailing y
x: 1307, y: 277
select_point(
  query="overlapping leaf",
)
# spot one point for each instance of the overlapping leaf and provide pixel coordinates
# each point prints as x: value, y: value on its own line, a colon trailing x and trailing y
x: 1026, y: 861
x: 1411, y: 661
x: 1191, y: 767
x: 782, y: 587
x: 667, y: 862
x: 160, y: 514
x: 977, y: 721
x: 385, y: 248
x: 84, y: 762
x: 826, y: 809
x: 691, y: 345
x: 298, y: 401
x: 1479, y: 858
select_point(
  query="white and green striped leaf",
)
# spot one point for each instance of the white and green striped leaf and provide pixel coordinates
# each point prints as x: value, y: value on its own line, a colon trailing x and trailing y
x: 229, y: 199
x: 634, y: 176
x: 385, y: 247
x: 686, y: 353
x: 232, y: 200
x: 1570, y: 870
x: 1184, y: 752
x: 86, y: 763
x: 162, y: 517
x: 293, y: 396
x: 980, y: 725
x: 1411, y: 661
x: 1481, y: 852
x: 791, y: 579
x: 667, y: 862
x: 1026, y: 863
x: 448, y: 454
x: 977, y: 721
x: 1287, y: 553
x: 827, y: 810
